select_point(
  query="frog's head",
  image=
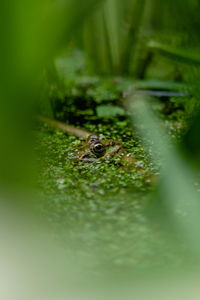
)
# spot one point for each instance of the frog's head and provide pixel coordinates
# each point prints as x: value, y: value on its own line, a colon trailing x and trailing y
x: 96, y: 146
x: 92, y: 138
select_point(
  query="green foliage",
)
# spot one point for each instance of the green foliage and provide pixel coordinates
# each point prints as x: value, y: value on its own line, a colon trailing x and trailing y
x: 160, y: 85
x: 176, y: 54
x: 32, y: 33
x: 109, y: 111
x: 48, y: 49
x: 110, y: 34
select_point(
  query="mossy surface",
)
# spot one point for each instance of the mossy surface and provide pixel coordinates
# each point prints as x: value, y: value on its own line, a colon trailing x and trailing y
x: 98, y: 209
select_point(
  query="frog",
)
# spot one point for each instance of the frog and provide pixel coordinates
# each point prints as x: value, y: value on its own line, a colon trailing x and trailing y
x: 97, y: 148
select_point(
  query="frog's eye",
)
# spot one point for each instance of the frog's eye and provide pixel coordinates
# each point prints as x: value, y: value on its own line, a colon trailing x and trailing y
x: 99, y: 149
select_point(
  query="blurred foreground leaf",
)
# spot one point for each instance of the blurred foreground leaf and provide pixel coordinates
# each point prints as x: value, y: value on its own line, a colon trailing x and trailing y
x: 176, y: 190
x: 32, y: 33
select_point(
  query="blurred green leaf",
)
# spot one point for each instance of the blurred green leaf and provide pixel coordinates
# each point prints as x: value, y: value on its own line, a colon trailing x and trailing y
x: 106, y: 111
x: 175, y: 53
x: 177, y: 193
x: 110, y: 36
x: 160, y: 85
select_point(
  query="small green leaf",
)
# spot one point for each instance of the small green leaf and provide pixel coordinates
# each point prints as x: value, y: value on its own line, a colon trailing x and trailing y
x: 109, y: 111
x: 160, y: 85
x: 184, y: 56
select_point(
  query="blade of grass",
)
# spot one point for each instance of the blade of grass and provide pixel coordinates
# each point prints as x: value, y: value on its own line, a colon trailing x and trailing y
x: 96, y: 43
x: 177, y: 177
x: 112, y: 22
x: 160, y: 85
x: 180, y: 55
x: 136, y: 9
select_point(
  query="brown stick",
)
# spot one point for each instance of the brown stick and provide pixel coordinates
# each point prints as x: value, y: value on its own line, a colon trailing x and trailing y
x: 66, y: 128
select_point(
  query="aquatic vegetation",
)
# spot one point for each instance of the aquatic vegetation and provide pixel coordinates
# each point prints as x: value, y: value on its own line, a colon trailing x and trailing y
x: 128, y: 73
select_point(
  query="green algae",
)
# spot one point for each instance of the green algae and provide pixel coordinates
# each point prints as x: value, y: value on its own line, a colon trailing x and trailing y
x: 100, y: 210
x: 97, y: 210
